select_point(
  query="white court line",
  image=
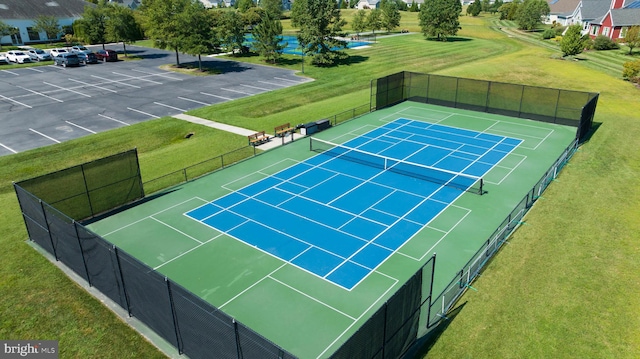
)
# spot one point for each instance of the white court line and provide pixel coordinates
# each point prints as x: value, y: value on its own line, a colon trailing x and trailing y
x: 8, y: 148
x: 188, y: 251
x: 113, y: 119
x: 11, y: 72
x: 200, y: 102
x: 157, y: 74
x: 116, y: 81
x: 66, y: 89
x: 175, y: 229
x: 32, y: 69
x: 136, y: 78
x: 93, y: 85
x: 43, y: 135
x: 255, y: 87
x: 272, y: 83
x: 236, y: 91
x: 212, y: 95
x: 512, y: 169
x: 80, y: 127
x: 18, y: 102
x: 40, y: 93
x: 172, y: 107
x: 142, y: 112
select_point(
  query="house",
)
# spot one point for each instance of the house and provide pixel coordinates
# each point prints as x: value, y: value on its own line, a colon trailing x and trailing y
x: 21, y: 14
x: 591, y: 10
x: 131, y: 4
x: 375, y: 4
x: 564, y: 12
x: 619, y: 17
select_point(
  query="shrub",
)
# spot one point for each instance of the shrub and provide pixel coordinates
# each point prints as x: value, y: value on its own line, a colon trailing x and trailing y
x: 631, y: 71
x: 549, y: 34
x: 602, y: 42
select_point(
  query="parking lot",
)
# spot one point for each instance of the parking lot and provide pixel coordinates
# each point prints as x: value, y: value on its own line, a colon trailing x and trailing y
x: 44, y: 105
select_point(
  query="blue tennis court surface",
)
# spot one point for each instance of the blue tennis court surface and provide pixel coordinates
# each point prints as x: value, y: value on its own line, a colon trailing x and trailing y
x: 294, y: 48
x: 340, y: 219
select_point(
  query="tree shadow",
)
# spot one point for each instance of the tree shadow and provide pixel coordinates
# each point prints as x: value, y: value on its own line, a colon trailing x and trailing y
x: 450, y: 39
x: 352, y: 60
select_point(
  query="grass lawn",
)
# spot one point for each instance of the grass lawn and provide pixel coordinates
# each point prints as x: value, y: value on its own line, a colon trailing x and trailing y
x: 566, y: 285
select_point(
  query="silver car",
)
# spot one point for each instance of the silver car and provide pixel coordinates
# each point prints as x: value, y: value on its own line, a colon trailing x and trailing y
x: 38, y: 55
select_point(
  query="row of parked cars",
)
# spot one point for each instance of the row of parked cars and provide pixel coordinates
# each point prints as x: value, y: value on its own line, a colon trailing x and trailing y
x: 73, y: 56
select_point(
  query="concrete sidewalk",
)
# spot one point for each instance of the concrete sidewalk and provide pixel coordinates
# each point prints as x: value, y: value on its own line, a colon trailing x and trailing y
x: 273, y: 141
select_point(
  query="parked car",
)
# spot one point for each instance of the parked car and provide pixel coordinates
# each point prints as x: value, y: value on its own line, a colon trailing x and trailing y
x: 87, y: 57
x: 79, y: 48
x: 18, y: 57
x: 3, y: 60
x: 107, y: 55
x: 55, y: 52
x: 38, y: 55
x: 67, y: 59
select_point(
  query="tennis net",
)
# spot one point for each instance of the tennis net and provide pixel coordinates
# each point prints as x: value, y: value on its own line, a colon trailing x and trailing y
x: 444, y: 177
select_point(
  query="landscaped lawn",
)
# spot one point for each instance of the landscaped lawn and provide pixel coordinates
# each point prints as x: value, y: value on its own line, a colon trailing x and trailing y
x: 566, y: 286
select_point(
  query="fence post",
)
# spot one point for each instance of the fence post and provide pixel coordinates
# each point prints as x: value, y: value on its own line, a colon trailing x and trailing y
x: 174, y: 316
x: 86, y: 189
x: 44, y: 214
x: 84, y: 261
x: 238, y: 346
x: 124, y: 286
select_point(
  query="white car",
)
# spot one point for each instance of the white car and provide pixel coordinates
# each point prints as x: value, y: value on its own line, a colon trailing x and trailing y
x: 79, y: 48
x: 18, y: 57
x: 56, y: 52
x: 3, y: 59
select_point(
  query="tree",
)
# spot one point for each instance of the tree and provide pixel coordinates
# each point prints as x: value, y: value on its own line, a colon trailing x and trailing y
x: 495, y: 6
x: 359, y: 22
x: 572, y: 43
x: 91, y: 28
x: 374, y: 20
x: 199, y: 39
x: 298, y: 12
x: 165, y: 23
x: 485, y: 6
x: 474, y: 8
x: 390, y: 14
x: 6, y: 30
x: 231, y: 31
x: 632, y: 38
x: 244, y: 5
x: 439, y: 18
x: 267, y: 39
x: 273, y: 8
x: 414, y: 7
x: 530, y: 14
x: 508, y: 10
x: 320, y: 29
x: 121, y: 25
x: 49, y: 25
x: 631, y: 71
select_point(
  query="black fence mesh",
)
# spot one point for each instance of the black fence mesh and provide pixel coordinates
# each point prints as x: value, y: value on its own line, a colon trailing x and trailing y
x: 565, y: 107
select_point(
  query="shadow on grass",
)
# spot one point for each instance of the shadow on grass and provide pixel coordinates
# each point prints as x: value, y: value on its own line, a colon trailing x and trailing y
x: 422, y: 346
x: 450, y: 39
x: 594, y: 128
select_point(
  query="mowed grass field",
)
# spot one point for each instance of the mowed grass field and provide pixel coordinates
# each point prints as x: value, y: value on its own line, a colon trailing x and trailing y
x: 566, y: 285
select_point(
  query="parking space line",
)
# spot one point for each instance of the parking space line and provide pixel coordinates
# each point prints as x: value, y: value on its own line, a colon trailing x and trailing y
x: 9, y: 148
x: 273, y: 83
x: 32, y: 69
x: 116, y: 81
x: 157, y: 74
x: 43, y: 135
x: 12, y: 100
x: 200, y: 102
x: 93, y: 85
x: 66, y: 89
x: 236, y: 91
x: 113, y: 119
x: 144, y: 113
x: 212, y: 95
x: 80, y: 127
x: 11, y: 72
x: 137, y: 78
x: 39, y: 93
x: 254, y: 87
x: 283, y: 79
x: 175, y: 108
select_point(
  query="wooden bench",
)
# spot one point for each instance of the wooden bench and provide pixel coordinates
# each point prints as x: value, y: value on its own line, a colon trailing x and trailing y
x: 282, y: 130
x: 258, y: 138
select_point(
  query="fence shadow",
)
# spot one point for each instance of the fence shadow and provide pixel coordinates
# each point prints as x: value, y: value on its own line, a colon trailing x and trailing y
x: 422, y: 345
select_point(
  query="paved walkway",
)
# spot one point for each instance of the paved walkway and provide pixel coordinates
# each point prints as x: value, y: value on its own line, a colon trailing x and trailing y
x: 273, y: 141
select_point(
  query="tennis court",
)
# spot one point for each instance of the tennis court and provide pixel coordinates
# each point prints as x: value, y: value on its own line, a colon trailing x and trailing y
x: 304, y: 242
x: 293, y: 46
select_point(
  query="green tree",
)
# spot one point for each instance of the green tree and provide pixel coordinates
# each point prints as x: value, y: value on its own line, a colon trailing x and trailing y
x: 474, y: 8
x: 199, y: 38
x: 359, y: 23
x: 509, y: 10
x: 439, y: 18
x: 572, y: 42
x: 485, y: 6
x: 495, y: 6
x: 273, y: 8
x: 49, y: 25
x: 231, y: 32
x: 320, y: 29
x: 631, y: 71
x: 390, y: 14
x: 6, y: 30
x: 267, y: 39
x: 530, y: 14
x: 298, y: 12
x: 374, y: 20
x: 91, y: 28
x: 414, y: 7
x: 165, y: 23
x: 244, y: 5
x: 121, y: 26
x: 632, y: 38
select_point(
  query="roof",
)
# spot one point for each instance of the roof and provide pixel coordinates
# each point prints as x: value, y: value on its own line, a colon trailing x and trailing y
x: 633, y: 5
x: 563, y: 6
x: 30, y: 9
x: 625, y: 17
x: 593, y: 9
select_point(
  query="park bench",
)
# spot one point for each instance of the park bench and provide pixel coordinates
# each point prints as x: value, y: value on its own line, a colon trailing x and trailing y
x: 283, y: 130
x: 258, y: 138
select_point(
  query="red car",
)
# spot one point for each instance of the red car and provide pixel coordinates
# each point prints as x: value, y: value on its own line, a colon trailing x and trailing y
x: 107, y: 55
